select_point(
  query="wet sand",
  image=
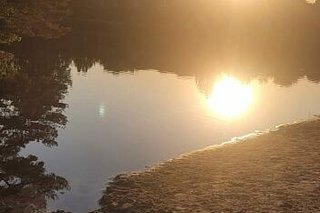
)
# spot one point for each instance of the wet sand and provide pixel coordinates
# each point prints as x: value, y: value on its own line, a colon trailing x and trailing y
x: 278, y: 171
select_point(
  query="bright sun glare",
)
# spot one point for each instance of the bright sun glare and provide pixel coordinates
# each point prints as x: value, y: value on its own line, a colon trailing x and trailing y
x: 230, y: 97
x: 311, y: 1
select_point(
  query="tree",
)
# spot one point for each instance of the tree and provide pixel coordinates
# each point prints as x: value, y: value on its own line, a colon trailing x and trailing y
x: 32, y: 18
x: 31, y: 110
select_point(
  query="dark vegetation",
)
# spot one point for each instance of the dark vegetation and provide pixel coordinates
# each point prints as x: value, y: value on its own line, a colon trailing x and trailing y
x: 30, y: 111
x: 267, y: 38
x: 264, y: 39
x: 32, y: 18
x: 30, y: 104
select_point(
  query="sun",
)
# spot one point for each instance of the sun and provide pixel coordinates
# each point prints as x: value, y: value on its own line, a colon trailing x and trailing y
x: 230, y: 97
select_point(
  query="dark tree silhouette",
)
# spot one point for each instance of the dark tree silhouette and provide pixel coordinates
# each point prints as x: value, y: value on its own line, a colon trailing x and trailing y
x: 31, y: 110
x: 31, y: 18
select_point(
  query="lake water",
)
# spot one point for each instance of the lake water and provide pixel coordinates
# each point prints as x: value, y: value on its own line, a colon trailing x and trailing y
x: 120, y: 123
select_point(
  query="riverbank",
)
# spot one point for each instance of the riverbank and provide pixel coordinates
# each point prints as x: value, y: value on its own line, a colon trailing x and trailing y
x: 278, y: 171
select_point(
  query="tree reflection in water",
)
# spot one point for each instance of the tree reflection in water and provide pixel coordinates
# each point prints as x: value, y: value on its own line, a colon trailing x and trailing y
x: 30, y: 111
x: 199, y: 39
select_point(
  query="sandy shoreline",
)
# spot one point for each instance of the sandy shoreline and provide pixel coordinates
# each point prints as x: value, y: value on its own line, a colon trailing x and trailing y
x: 277, y: 171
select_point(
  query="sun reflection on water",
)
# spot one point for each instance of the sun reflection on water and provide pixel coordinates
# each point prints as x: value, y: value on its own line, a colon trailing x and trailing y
x: 230, y: 98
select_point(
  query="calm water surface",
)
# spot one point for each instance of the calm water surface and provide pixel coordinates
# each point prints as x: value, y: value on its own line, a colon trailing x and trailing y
x: 125, y: 122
